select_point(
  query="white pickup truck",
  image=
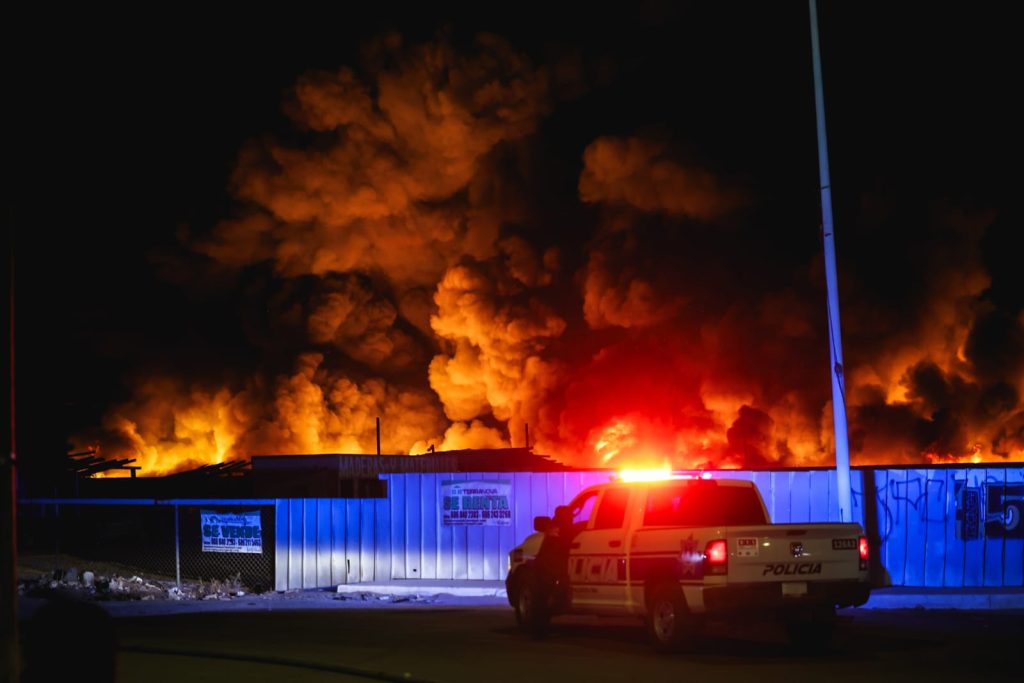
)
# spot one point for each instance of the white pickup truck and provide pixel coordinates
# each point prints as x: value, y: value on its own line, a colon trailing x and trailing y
x: 680, y: 551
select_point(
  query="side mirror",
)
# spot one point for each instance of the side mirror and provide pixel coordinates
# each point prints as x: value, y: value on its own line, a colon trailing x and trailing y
x: 541, y: 523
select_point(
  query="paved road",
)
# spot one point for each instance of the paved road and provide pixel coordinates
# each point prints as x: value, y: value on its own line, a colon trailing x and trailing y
x: 481, y: 645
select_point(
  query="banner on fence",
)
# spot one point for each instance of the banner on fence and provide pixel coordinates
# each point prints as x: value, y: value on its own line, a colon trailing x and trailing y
x: 476, y: 503
x: 231, y: 532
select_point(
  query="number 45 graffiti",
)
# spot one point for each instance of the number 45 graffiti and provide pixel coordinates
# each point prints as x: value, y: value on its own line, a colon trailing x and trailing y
x: 996, y: 506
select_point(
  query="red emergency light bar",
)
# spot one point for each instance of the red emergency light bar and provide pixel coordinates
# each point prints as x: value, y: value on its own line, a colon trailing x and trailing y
x: 661, y: 474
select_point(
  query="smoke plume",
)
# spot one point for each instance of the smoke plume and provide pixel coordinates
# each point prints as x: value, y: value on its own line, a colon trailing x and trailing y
x: 404, y: 276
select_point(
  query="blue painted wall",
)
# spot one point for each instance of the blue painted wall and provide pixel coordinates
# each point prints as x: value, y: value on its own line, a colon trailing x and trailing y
x: 951, y: 527
x: 937, y: 527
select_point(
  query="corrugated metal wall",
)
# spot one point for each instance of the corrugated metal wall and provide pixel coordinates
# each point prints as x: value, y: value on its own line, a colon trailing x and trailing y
x: 328, y: 541
x: 938, y: 527
x: 951, y: 527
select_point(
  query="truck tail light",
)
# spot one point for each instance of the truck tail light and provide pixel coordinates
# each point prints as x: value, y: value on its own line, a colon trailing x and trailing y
x: 865, y: 551
x: 716, y: 557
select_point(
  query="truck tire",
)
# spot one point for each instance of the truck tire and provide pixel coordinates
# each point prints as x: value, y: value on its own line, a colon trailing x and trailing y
x: 532, y: 613
x: 669, y: 623
x: 812, y: 632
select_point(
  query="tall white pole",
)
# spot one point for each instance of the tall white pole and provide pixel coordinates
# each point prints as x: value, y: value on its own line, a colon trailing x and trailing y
x: 829, y: 239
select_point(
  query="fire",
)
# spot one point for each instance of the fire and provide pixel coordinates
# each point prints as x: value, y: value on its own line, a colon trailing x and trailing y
x: 403, y: 287
x: 168, y: 431
x: 976, y: 456
x: 617, y: 437
x: 638, y: 443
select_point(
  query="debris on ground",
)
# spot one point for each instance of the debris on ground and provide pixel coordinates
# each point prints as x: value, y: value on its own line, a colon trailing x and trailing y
x: 97, y: 586
x: 368, y: 597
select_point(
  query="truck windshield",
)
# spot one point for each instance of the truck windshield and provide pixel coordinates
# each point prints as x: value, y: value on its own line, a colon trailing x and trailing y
x: 703, y: 503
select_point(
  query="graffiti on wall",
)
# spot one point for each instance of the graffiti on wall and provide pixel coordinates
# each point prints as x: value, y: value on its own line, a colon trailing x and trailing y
x: 993, y: 508
x: 926, y: 497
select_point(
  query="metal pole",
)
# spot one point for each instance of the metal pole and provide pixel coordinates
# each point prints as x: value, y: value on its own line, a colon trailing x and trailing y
x: 177, y: 551
x: 832, y: 283
x: 378, y: 436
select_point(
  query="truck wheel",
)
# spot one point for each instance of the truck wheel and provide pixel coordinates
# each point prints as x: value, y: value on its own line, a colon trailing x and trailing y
x: 532, y: 614
x: 812, y: 633
x: 669, y: 622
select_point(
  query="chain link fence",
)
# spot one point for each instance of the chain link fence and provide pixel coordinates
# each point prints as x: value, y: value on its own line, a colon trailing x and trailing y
x: 164, y: 541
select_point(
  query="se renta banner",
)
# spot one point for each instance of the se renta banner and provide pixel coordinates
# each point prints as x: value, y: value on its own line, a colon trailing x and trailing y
x: 476, y: 503
x: 231, y: 532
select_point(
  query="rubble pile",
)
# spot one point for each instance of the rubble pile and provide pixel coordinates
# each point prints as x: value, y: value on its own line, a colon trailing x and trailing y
x: 89, y: 584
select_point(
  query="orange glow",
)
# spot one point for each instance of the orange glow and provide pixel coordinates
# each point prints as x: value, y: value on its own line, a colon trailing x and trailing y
x: 659, y: 474
x: 636, y: 441
x: 616, y: 438
x: 168, y: 432
x: 415, y: 301
x: 975, y: 456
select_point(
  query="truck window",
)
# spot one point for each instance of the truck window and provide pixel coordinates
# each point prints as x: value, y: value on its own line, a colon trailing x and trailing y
x: 581, y: 509
x: 612, y: 510
x: 703, y: 503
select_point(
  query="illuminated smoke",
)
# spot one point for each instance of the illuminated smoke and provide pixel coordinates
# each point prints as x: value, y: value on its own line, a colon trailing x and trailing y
x: 496, y: 331
x: 619, y: 287
x: 936, y: 372
x: 349, y: 315
x: 405, y: 274
x: 638, y: 172
x: 382, y: 185
x: 942, y: 375
x: 372, y: 224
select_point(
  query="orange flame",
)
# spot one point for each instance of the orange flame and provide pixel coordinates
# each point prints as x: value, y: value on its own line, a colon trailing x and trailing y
x: 403, y: 184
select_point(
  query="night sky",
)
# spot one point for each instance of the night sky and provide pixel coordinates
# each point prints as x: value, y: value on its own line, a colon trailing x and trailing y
x: 226, y: 244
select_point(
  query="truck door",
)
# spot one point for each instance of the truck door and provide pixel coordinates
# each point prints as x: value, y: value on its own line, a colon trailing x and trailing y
x: 598, y: 555
x: 581, y: 507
